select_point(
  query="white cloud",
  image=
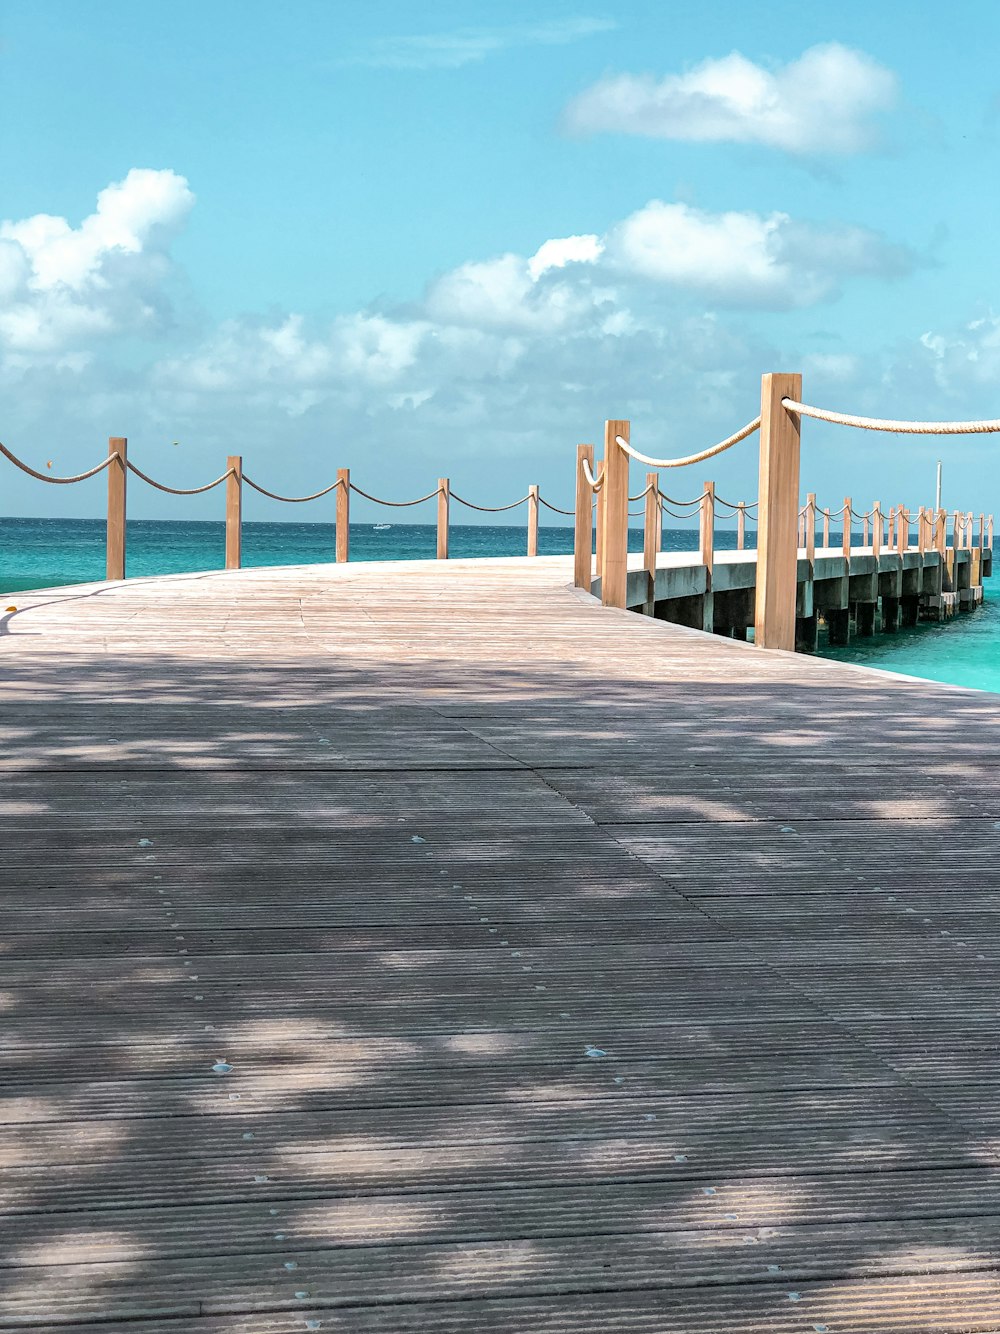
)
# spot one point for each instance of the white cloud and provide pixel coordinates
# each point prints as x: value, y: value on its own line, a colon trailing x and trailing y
x: 470, y: 46
x: 63, y: 284
x: 516, y: 294
x: 826, y: 101
x: 749, y: 259
x: 563, y: 250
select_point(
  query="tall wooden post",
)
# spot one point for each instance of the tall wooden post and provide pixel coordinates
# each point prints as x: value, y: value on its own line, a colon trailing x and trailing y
x: 902, y: 530
x: 706, y: 537
x: 599, y: 517
x: 876, y: 529
x: 846, y: 537
x: 532, y: 520
x: 344, y: 514
x: 234, y: 512
x: 921, y: 530
x: 982, y: 531
x: 117, y: 477
x: 970, y: 524
x: 741, y: 525
x: 826, y: 529
x: 941, y: 532
x: 989, y: 531
x: 864, y: 530
x: 778, y: 497
x: 444, y: 504
x: 652, y: 537
x: 811, y: 526
x: 583, y: 531
x: 891, y: 537
x: 614, y: 554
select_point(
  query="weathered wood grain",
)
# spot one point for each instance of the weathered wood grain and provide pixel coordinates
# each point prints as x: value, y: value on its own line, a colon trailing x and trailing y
x: 573, y: 971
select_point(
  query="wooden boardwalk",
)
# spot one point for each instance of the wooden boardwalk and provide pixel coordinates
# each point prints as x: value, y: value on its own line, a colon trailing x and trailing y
x: 422, y: 947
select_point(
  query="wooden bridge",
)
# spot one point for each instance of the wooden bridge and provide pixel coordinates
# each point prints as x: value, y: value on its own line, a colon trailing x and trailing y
x: 428, y: 947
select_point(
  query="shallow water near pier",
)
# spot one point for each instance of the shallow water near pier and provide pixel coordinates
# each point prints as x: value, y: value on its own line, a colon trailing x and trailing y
x: 964, y: 651
x: 47, y: 553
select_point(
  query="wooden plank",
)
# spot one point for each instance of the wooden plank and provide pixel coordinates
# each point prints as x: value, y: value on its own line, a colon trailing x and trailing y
x: 663, y: 975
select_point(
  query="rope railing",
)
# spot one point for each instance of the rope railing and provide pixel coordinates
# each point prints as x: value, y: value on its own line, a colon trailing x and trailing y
x: 178, y: 491
x: 56, y: 481
x: 234, y: 478
x: 894, y: 427
x: 723, y: 445
x: 497, y: 509
x: 396, y: 504
x: 595, y: 483
x: 292, y: 500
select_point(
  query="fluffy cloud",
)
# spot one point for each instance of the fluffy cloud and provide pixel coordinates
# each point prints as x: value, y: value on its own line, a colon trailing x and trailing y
x: 747, y: 258
x: 827, y: 101
x: 498, y: 358
x: 61, y: 286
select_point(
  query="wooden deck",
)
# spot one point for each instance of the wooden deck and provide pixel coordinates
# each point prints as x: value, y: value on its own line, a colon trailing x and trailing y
x: 565, y: 970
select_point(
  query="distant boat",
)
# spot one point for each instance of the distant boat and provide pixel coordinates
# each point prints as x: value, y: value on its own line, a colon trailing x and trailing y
x: 381, y: 527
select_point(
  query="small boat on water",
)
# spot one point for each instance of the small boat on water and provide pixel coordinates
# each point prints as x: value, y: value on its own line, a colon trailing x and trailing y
x: 381, y: 527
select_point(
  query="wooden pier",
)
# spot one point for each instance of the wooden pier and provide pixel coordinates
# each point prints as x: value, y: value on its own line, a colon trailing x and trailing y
x: 854, y: 593
x: 426, y: 947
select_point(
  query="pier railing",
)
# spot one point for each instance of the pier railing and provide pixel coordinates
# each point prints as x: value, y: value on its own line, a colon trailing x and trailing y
x: 119, y: 465
x: 784, y: 529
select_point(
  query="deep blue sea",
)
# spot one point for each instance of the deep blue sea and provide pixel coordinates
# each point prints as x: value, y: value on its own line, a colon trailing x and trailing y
x: 44, y: 553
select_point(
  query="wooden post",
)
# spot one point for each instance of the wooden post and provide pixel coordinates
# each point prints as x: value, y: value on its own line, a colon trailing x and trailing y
x: 800, y: 539
x: 876, y: 529
x: 982, y: 531
x: 532, y: 520
x: 234, y: 512
x: 956, y: 529
x: 921, y: 530
x: 741, y: 525
x: 970, y: 524
x: 652, y: 537
x: 846, y: 538
x: 891, y: 537
x: 810, y: 543
x: 826, y: 529
x: 583, y: 531
x: 706, y: 538
x: 614, y: 547
x: 344, y: 514
x: 778, y: 498
x: 864, y: 530
x: 117, y: 477
x: 941, y: 532
x: 444, y: 504
x: 599, y: 518
x: 902, y: 530
x: 989, y: 531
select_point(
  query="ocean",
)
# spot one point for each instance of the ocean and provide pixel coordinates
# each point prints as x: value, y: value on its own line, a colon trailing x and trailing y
x: 46, y: 553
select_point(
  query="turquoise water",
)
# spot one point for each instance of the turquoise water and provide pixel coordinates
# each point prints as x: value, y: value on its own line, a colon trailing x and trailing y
x: 964, y: 651
x: 44, y: 553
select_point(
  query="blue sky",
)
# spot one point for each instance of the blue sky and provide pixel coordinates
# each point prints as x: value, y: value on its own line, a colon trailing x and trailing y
x: 322, y: 238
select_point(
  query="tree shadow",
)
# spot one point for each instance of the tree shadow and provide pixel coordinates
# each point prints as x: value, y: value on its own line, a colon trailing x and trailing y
x: 518, y: 996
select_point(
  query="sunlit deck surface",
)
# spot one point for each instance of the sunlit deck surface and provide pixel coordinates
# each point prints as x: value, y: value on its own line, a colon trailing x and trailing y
x: 576, y: 972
